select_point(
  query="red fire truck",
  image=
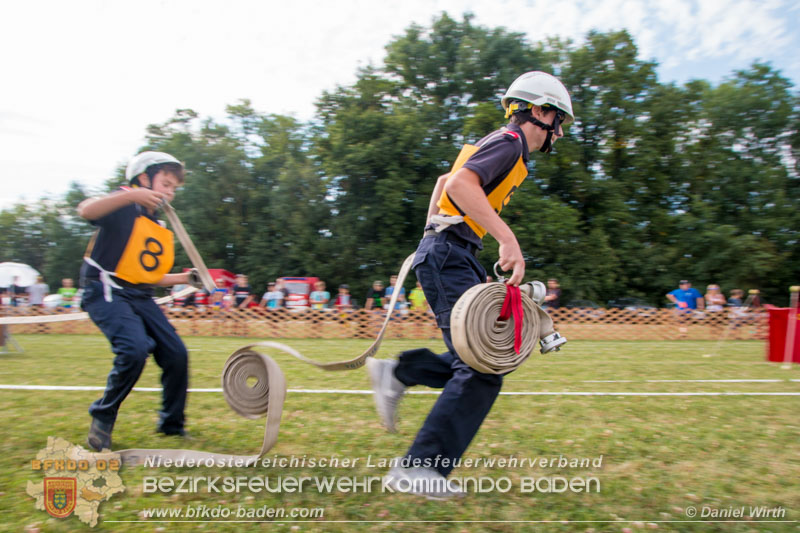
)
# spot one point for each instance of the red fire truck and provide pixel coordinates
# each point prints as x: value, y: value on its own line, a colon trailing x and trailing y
x: 299, y: 289
x: 223, y: 279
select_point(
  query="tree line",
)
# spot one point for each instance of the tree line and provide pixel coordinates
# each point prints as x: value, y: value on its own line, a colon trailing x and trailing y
x: 654, y: 181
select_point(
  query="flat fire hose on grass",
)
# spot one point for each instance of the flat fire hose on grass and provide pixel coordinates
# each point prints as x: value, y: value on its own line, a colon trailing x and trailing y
x: 265, y: 397
x: 477, y: 310
x: 474, y: 324
x: 188, y: 246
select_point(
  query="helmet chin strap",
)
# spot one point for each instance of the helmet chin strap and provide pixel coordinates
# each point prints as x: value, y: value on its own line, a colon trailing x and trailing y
x: 547, y: 147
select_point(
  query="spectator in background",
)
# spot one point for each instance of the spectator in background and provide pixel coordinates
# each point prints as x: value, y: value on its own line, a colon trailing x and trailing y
x: 736, y: 303
x: 273, y: 298
x: 736, y: 298
x: 190, y: 300
x: 417, y: 299
x: 218, y: 298
x: 15, y: 292
x: 178, y: 302
x: 37, y: 292
x: 342, y: 301
x: 401, y: 297
x: 319, y: 298
x: 755, y: 302
x: 202, y: 299
x: 281, y: 286
x: 715, y: 300
x: 686, y: 297
x: 68, y: 294
x: 553, y: 296
x: 242, y: 294
x: 375, y: 296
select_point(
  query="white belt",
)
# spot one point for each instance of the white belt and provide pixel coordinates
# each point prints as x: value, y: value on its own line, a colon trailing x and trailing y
x: 445, y: 221
x: 105, y: 278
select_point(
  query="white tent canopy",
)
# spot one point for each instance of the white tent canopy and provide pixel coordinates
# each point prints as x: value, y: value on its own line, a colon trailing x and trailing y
x: 26, y: 275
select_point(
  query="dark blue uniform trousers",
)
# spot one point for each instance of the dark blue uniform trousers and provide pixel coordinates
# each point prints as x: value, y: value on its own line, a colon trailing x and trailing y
x: 135, y: 326
x: 446, y: 270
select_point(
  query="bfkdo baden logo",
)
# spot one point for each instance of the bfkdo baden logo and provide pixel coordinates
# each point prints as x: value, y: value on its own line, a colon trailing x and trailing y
x: 76, y: 481
x: 60, y: 495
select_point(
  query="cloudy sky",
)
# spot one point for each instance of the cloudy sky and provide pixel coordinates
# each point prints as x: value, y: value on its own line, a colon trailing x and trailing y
x: 82, y: 79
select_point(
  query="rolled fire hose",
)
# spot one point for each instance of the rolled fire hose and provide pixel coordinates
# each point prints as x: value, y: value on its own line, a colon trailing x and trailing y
x: 485, y: 342
x: 264, y: 397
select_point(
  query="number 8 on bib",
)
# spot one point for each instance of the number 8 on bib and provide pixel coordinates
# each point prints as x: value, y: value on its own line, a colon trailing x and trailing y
x: 149, y: 254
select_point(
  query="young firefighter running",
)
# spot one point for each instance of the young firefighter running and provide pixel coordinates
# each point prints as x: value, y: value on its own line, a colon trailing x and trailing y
x: 130, y: 254
x: 465, y: 205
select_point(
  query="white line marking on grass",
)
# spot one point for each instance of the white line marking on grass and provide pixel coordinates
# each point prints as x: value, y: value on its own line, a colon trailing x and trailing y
x: 568, y: 393
x: 652, y: 363
x: 427, y: 392
x: 687, y: 381
x: 661, y: 381
x: 50, y: 387
x: 715, y: 380
x: 205, y: 350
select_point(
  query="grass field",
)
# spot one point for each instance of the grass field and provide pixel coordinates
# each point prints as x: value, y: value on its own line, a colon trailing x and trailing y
x: 662, y: 455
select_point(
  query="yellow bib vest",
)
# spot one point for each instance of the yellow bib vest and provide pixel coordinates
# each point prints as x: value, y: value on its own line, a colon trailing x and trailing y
x: 498, y: 197
x: 149, y: 254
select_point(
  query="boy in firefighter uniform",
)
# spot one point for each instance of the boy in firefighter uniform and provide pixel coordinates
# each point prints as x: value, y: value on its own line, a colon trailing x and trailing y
x: 464, y: 207
x: 130, y: 254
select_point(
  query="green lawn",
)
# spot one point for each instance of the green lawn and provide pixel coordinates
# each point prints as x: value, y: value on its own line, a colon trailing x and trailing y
x: 661, y: 455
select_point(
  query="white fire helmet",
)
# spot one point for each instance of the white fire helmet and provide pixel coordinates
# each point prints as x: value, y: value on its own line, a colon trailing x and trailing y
x: 540, y: 88
x: 140, y: 162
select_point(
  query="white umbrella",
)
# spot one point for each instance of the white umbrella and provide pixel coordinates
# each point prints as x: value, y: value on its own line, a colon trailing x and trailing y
x: 26, y: 274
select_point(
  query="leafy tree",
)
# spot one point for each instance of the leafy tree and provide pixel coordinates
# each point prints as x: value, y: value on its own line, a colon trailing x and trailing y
x: 47, y: 235
x: 653, y: 182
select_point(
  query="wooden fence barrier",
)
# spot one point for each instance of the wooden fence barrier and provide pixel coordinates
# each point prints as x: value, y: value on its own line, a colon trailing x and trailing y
x: 574, y: 324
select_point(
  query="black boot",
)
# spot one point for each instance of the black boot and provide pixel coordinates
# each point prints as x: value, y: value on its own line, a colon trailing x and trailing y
x: 99, y: 435
x: 172, y: 431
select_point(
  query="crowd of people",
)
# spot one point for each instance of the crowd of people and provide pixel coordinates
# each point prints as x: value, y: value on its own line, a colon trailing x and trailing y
x: 240, y: 295
x: 36, y: 295
x: 687, y: 298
